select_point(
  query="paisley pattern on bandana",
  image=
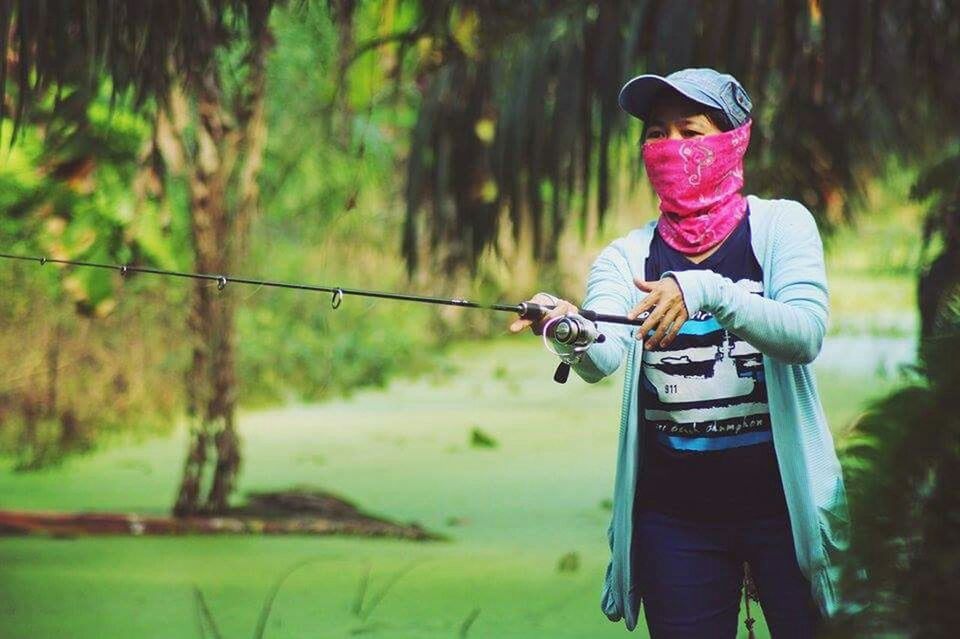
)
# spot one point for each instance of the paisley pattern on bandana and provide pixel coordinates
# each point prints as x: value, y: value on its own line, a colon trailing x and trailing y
x: 699, y: 182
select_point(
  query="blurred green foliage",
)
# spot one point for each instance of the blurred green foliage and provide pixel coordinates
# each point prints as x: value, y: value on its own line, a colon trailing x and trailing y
x: 328, y: 176
x: 902, y: 462
x: 79, y: 367
x: 67, y: 192
x: 118, y: 365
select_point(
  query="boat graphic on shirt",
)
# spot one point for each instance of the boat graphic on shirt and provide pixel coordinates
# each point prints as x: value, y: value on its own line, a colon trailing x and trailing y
x: 706, y: 389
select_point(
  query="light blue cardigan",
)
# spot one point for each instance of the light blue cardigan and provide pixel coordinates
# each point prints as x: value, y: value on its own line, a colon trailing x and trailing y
x: 787, y: 325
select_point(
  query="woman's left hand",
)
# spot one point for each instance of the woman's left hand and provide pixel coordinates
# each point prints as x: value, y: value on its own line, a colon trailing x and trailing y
x: 668, y: 314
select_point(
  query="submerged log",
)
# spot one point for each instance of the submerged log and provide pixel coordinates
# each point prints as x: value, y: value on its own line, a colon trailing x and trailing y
x: 13, y: 522
x: 298, y: 511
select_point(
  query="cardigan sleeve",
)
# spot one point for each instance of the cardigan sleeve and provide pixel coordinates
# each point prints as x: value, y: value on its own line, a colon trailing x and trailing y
x: 790, y: 320
x: 608, y: 291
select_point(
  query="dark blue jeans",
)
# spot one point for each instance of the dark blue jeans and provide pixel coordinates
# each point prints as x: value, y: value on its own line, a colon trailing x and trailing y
x: 690, y: 576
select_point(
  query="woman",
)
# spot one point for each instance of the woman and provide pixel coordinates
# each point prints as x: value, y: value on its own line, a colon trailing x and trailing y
x: 725, y: 456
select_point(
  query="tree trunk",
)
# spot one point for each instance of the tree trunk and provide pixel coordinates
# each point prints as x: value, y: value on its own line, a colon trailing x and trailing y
x: 189, y: 495
x: 222, y: 168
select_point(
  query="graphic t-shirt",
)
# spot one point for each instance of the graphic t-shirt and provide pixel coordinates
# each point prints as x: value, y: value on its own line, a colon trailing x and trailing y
x: 709, y: 447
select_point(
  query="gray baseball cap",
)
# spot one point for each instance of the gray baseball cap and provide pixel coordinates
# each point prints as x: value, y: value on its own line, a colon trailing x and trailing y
x: 706, y: 86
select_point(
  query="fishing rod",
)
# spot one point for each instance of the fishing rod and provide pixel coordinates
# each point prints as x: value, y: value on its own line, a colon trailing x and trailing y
x: 576, y: 331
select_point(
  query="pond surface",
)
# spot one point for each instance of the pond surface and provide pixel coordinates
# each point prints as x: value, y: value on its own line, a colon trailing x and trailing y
x: 865, y: 354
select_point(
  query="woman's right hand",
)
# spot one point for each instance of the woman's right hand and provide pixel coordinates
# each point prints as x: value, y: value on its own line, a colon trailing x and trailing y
x: 562, y: 308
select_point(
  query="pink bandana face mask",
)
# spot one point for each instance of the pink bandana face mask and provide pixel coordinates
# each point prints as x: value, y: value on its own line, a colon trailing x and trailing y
x: 698, y: 180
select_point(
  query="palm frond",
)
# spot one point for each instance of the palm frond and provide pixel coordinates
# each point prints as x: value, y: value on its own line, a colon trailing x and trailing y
x: 141, y: 46
x: 839, y: 87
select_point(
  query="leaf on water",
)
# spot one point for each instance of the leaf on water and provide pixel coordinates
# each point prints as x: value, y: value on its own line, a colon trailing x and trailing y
x: 569, y: 562
x: 479, y: 439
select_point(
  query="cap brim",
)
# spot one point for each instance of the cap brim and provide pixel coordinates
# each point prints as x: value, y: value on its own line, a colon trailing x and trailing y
x: 637, y: 95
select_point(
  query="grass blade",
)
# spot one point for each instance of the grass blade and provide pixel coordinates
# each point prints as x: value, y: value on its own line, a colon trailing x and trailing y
x: 204, y: 616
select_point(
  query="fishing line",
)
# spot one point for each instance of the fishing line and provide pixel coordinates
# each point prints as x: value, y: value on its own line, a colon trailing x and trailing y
x: 252, y: 293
